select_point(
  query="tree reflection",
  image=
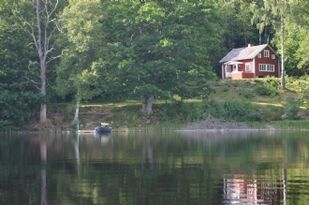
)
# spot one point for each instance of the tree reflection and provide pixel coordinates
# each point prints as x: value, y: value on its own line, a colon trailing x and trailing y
x: 43, y: 155
x: 155, y: 169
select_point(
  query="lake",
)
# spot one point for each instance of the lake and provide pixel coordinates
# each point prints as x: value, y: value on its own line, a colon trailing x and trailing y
x: 155, y: 167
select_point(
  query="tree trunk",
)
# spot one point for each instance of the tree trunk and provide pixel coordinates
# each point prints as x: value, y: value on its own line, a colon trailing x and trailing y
x: 43, y: 115
x: 76, y: 115
x: 147, y: 104
x: 43, y: 110
x: 282, y: 53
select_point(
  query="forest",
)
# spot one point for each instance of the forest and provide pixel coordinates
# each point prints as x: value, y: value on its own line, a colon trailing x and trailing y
x: 76, y: 51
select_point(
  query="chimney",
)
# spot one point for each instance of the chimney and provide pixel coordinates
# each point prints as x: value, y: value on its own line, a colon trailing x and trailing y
x: 249, y: 45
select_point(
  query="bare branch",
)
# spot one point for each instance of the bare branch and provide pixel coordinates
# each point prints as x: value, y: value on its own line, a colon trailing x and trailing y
x: 29, y: 29
x: 32, y: 63
x: 50, y: 36
x: 54, y: 9
x: 58, y: 28
x: 49, y: 50
x: 56, y: 57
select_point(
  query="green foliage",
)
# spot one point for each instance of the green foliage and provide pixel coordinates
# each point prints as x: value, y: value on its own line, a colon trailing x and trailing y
x: 247, y: 93
x: 267, y: 86
x: 159, y: 48
x: 181, y: 112
x: 291, y: 108
x: 117, y: 50
x: 239, y: 110
x: 76, y: 72
x: 265, y: 91
x: 18, y: 96
x: 293, y: 15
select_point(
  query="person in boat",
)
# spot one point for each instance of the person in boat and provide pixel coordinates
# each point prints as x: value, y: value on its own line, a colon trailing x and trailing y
x: 104, y: 128
x: 104, y: 124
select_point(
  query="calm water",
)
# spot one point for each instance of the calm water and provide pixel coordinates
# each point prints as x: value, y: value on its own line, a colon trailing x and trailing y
x: 155, y: 168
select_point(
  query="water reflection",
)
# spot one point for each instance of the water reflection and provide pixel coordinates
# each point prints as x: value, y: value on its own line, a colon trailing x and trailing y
x: 239, y: 189
x: 43, y: 154
x: 155, y: 168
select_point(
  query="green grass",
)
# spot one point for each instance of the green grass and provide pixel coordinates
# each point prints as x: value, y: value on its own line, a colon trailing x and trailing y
x: 269, y: 105
x: 291, y: 124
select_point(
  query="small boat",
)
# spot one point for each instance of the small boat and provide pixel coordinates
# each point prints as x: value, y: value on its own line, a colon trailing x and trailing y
x: 104, y: 128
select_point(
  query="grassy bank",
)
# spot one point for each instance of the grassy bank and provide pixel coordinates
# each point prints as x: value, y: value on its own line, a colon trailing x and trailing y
x: 257, y: 101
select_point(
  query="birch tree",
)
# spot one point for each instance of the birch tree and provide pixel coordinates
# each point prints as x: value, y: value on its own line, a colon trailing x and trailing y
x: 41, y: 26
x: 274, y: 12
x: 83, y: 39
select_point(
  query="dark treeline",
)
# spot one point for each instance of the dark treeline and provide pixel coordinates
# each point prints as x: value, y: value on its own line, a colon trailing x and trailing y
x: 80, y: 50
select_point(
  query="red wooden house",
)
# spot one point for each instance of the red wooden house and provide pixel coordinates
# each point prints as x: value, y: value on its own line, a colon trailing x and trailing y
x: 250, y: 62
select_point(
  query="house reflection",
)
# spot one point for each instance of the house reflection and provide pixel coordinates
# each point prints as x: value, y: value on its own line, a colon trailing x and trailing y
x: 240, y: 190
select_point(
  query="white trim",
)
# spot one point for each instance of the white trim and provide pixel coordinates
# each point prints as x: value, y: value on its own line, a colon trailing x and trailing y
x: 233, y: 63
x: 270, y: 68
x: 222, y: 71
x: 266, y: 53
x: 254, y: 66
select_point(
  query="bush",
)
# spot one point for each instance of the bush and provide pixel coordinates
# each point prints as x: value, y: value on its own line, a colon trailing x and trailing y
x: 238, y: 110
x: 272, y: 83
x: 247, y: 93
x: 180, y: 111
x: 291, y: 108
x: 262, y: 90
x: 267, y: 87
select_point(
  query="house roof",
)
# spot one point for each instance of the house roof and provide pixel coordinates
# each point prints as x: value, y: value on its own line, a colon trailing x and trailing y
x: 243, y: 53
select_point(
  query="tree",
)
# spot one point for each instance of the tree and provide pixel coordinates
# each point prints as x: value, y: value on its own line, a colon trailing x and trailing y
x: 160, y: 48
x: 82, y: 39
x: 276, y: 13
x: 297, y: 39
x: 40, y: 26
x: 18, y: 98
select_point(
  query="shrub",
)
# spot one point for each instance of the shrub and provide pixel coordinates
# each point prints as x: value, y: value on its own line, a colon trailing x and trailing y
x: 247, y: 93
x: 272, y: 83
x: 267, y: 86
x: 266, y: 91
x: 239, y: 110
x: 180, y: 111
x: 291, y: 108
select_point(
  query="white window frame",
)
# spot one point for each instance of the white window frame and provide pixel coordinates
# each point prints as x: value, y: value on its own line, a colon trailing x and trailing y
x: 247, y: 67
x: 260, y: 55
x: 266, y: 53
x: 262, y: 67
x: 267, y: 68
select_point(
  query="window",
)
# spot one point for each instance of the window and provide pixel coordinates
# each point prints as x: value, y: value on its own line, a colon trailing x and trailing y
x: 267, y: 67
x: 266, y: 53
x: 273, y: 56
x: 262, y: 67
x: 260, y: 55
x: 247, y: 67
x: 270, y: 68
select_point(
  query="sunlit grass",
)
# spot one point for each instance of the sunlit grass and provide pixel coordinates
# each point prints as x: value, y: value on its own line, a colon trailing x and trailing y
x: 133, y: 103
x: 291, y: 124
x: 268, y: 104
